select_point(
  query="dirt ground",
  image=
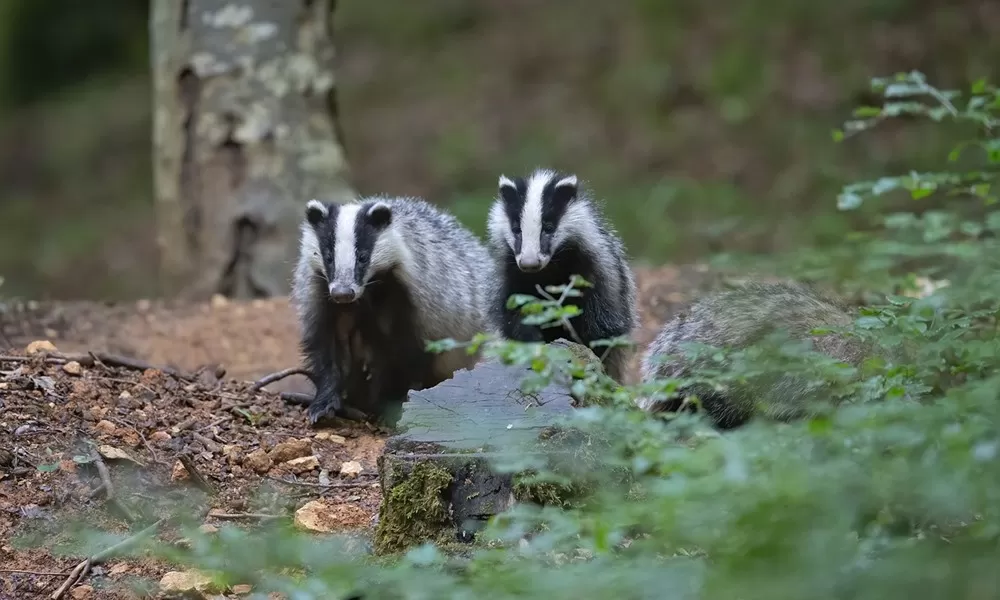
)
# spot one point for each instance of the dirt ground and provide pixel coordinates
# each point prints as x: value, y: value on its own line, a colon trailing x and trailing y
x: 197, y: 405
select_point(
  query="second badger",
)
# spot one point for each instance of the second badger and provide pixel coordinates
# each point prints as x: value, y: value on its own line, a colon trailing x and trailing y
x: 375, y: 280
x: 542, y: 230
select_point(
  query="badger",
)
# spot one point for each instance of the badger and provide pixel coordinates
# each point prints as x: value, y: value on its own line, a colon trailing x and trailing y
x: 375, y: 280
x: 542, y: 230
x: 736, y: 319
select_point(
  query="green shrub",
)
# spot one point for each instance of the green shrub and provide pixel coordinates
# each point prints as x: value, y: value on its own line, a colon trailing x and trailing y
x: 895, y: 495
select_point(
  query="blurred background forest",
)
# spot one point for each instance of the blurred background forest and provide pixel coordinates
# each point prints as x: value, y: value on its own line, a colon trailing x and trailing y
x: 705, y: 127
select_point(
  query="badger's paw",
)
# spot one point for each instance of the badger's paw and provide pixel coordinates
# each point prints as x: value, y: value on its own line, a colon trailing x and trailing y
x: 324, y: 407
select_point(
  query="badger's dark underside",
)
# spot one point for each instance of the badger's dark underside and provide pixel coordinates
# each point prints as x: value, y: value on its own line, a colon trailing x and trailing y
x: 366, y: 355
x: 720, y: 409
x: 596, y: 321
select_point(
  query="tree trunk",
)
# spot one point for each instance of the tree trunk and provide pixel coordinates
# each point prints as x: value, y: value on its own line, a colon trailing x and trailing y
x: 245, y: 132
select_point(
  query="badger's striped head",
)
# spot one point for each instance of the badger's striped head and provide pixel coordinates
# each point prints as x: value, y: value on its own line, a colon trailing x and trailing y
x: 347, y: 244
x: 535, y: 216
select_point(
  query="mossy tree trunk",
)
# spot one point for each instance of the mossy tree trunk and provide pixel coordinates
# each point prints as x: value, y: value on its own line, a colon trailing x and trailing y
x: 245, y: 132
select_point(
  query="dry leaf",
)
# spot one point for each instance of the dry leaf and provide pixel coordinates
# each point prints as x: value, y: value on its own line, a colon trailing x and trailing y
x: 111, y: 453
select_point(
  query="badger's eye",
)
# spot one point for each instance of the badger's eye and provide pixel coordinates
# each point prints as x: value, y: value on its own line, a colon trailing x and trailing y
x: 548, y: 228
x: 516, y: 229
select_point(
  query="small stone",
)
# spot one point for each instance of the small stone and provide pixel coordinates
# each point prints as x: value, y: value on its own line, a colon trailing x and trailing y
x: 159, y: 437
x: 231, y: 452
x: 72, y: 368
x: 4, y: 385
x: 81, y: 592
x: 105, y: 426
x: 40, y: 347
x: 208, y: 529
x: 124, y: 395
x: 315, y: 516
x: 143, y: 305
x: 333, y: 437
x: 259, y: 461
x: 301, y: 465
x: 178, y: 473
x: 120, y: 568
x: 290, y: 450
x: 186, y: 581
x: 241, y: 589
x: 94, y: 413
x: 219, y: 301
x: 351, y: 468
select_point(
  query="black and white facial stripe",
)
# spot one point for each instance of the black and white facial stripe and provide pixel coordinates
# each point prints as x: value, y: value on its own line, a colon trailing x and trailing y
x: 348, y: 243
x: 536, y: 215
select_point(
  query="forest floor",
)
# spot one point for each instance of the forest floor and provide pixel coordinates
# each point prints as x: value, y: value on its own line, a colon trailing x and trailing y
x: 68, y: 428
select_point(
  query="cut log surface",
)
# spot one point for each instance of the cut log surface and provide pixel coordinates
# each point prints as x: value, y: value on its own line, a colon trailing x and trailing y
x: 478, y: 410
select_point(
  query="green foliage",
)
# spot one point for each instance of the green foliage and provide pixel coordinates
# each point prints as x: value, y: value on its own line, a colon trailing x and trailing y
x: 895, y: 494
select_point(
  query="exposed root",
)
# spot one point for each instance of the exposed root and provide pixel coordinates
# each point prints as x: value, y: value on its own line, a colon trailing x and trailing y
x: 90, y: 359
x: 278, y: 376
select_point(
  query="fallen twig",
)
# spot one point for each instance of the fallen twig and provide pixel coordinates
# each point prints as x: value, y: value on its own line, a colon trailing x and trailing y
x: 278, y: 376
x: 81, y: 569
x: 197, y: 477
x: 102, y: 471
x: 210, y: 444
x: 327, y: 486
x: 109, y: 490
x: 89, y: 359
x: 74, y: 576
x: 237, y: 516
x: 39, y: 573
x: 184, y: 424
x: 297, y: 398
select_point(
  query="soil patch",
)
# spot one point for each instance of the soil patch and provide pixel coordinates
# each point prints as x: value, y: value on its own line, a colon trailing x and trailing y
x: 145, y: 425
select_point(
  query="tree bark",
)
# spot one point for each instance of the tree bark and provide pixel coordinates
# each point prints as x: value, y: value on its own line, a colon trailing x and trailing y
x: 245, y: 132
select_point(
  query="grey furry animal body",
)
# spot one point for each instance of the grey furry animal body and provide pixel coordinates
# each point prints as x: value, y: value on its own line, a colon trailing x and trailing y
x: 737, y: 319
x: 542, y: 230
x: 375, y: 280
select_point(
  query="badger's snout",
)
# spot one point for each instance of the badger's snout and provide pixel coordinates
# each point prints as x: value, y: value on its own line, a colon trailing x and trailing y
x: 343, y: 293
x: 532, y: 263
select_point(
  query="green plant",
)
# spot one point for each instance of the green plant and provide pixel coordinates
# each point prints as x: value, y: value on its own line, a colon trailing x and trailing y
x: 893, y: 495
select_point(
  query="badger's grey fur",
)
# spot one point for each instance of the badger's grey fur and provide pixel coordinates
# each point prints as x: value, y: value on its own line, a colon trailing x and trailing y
x: 542, y: 230
x: 736, y: 319
x: 375, y: 280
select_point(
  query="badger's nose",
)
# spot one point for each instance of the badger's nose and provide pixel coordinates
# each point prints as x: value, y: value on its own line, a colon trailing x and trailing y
x: 530, y: 264
x: 342, y: 293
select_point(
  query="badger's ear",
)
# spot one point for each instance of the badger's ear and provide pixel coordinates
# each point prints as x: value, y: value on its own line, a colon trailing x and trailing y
x: 508, y: 190
x: 380, y: 215
x: 316, y: 211
x: 564, y: 190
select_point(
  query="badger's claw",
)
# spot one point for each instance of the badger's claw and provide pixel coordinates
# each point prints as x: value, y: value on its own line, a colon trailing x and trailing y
x: 324, y: 405
x: 329, y: 406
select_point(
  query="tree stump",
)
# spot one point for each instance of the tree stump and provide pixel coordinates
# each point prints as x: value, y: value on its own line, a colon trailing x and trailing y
x: 436, y: 476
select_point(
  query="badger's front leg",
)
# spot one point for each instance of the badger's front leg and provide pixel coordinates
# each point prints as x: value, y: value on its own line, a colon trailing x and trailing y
x: 319, y: 360
x: 317, y: 346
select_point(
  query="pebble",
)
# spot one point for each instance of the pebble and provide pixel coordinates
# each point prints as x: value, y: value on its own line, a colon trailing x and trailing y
x: 302, y: 464
x: 72, y: 368
x: 351, y: 468
x: 40, y: 347
x: 81, y: 592
x: 259, y: 461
